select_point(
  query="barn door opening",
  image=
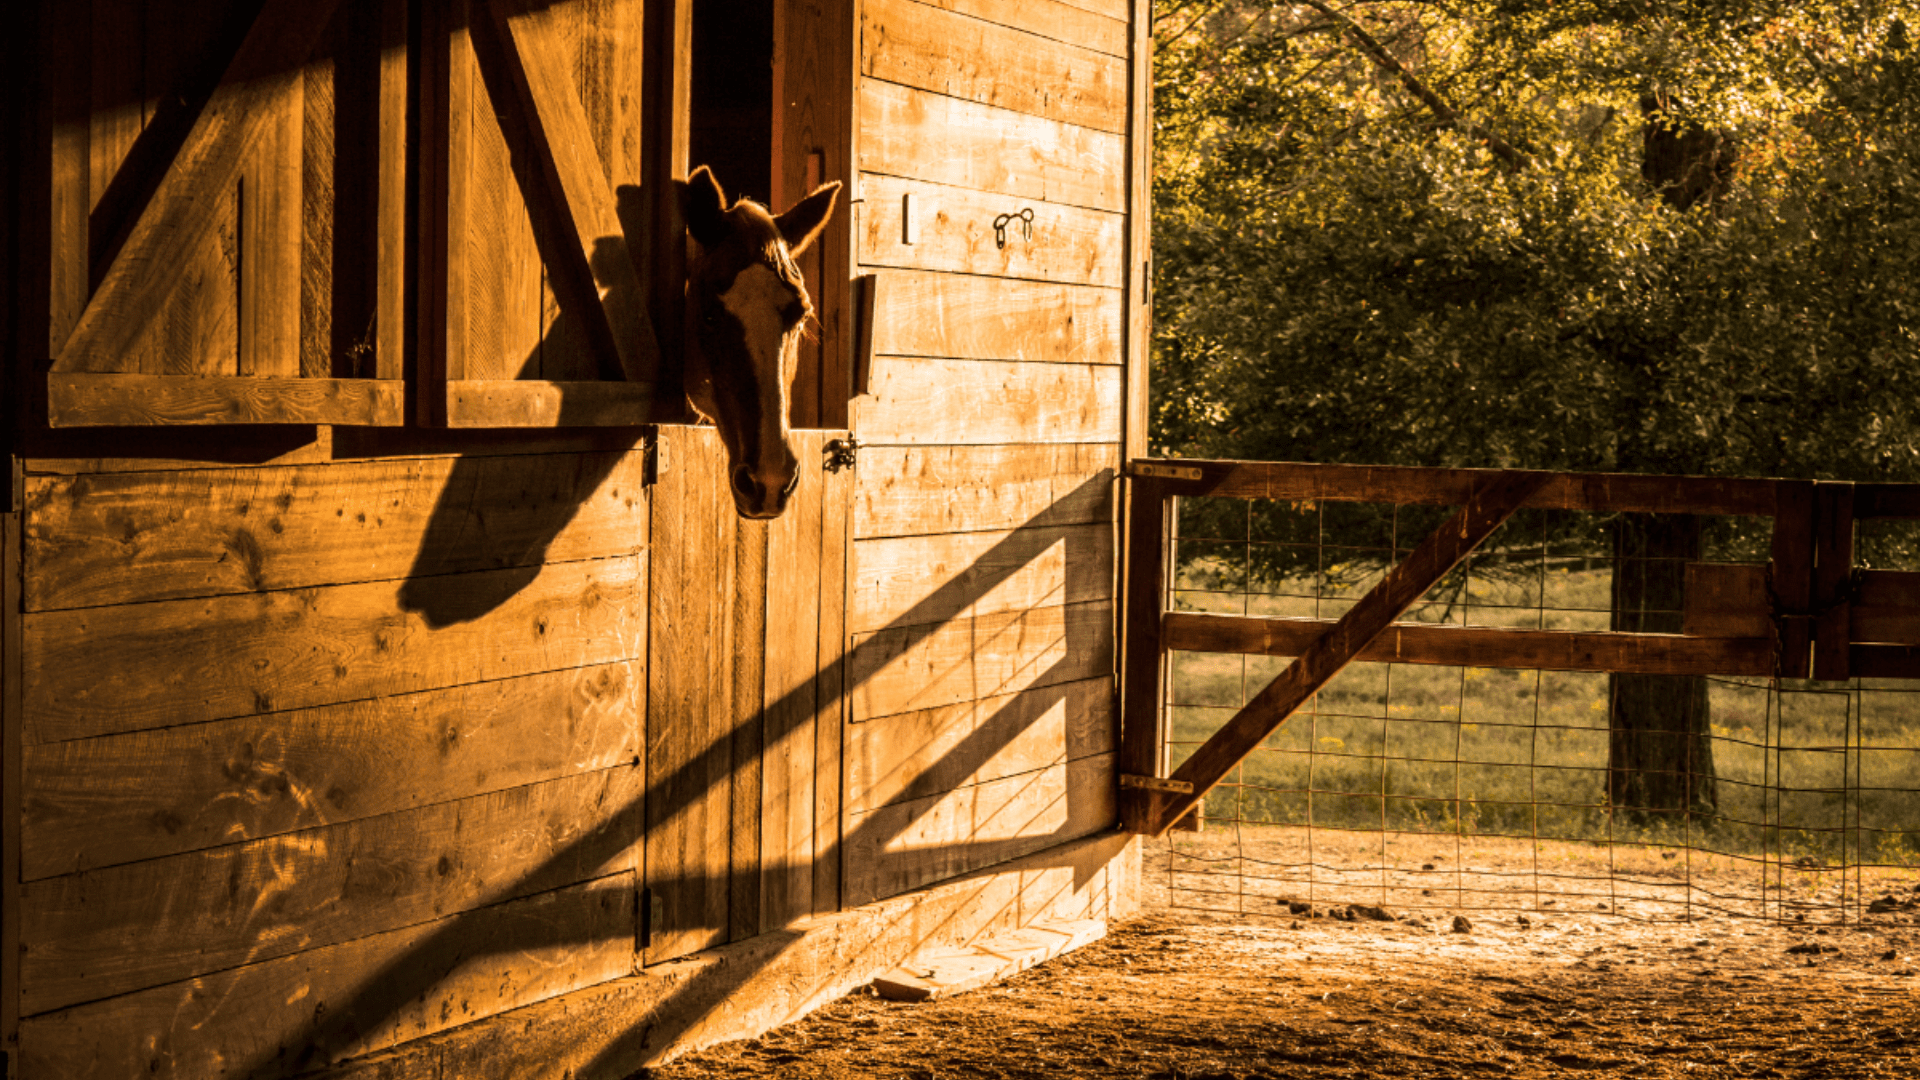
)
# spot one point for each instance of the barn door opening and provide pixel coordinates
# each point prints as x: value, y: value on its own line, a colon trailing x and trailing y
x: 747, y: 627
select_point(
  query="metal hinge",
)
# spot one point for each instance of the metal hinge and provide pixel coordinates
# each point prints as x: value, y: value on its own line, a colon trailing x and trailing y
x: 842, y: 453
x: 1161, y: 471
x: 1156, y: 783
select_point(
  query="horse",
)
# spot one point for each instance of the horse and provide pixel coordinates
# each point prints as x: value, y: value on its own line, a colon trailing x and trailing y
x: 747, y: 308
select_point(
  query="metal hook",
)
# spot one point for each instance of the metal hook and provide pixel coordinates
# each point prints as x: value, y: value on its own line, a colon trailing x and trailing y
x: 1024, y: 216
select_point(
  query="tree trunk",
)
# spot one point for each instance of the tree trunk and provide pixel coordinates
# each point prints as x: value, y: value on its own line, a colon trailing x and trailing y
x: 1660, y: 758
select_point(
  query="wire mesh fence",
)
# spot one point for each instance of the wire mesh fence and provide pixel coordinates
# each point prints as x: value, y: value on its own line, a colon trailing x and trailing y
x: 1414, y: 786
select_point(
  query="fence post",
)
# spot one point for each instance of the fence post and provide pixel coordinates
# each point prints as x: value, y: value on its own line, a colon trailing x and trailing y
x: 1832, y: 574
x: 1143, y: 661
x: 1793, y: 574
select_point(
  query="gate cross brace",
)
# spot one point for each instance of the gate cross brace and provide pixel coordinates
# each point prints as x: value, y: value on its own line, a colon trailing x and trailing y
x: 1492, y: 502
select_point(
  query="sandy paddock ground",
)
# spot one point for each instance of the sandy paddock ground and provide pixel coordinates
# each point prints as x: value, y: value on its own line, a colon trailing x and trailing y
x: 1562, y: 990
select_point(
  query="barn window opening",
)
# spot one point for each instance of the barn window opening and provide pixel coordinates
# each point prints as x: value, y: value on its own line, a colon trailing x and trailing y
x: 730, y: 126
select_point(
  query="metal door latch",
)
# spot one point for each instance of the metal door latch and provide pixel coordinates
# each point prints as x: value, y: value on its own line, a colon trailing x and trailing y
x: 842, y: 453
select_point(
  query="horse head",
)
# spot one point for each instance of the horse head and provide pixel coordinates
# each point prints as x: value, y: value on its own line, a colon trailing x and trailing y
x: 747, y: 308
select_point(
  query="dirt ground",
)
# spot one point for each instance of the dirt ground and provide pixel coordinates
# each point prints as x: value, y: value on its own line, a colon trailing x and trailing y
x: 1186, y: 995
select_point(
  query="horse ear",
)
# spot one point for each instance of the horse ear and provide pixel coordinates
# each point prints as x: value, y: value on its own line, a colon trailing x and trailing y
x: 801, y: 224
x: 703, y: 207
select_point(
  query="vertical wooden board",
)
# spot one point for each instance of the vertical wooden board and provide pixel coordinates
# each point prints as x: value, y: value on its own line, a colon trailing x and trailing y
x: 963, y: 317
x: 961, y: 402
x: 913, y: 580
x: 1139, y: 274
x: 917, y: 754
x: 390, y: 212
x: 1833, y: 568
x: 267, y: 339
x: 1792, y: 570
x: 97, y: 671
x: 444, y: 227
x: 108, y: 932
x: 1143, y: 654
x: 747, y: 612
x: 917, y: 490
x: 283, y: 1016
x: 922, y: 46
x: 67, y: 68
x: 320, y: 121
x: 911, y: 844
x: 121, y: 97
x: 144, y: 795
x: 506, y: 281
x: 926, y: 136
x: 689, y: 696
x: 11, y: 740
x: 793, y: 630
x: 836, y: 543
x: 196, y: 331
x: 902, y: 669
x: 1069, y: 244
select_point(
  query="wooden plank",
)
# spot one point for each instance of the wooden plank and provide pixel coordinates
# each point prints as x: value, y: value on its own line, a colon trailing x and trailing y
x: 1143, y: 645
x: 1614, y: 492
x: 689, y: 702
x: 394, y: 165
x: 904, y: 669
x: 1887, y: 608
x: 975, y: 402
x: 136, y: 537
x: 283, y: 1016
x: 136, y: 286
x: 943, y: 140
x: 98, y: 671
x: 499, y: 260
x: 1886, y: 661
x: 917, y: 45
x: 1139, y: 254
x: 440, y: 279
x: 1491, y: 503
x: 12, y: 722
x: 747, y: 661
x: 1112, y: 9
x: 963, y: 317
x: 143, y: 795
x: 535, y: 403
x: 1061, y: 20
x: 912, y: 580
x: 270, y: 241
x: 334, y: 218
x: 1726, y: 600
x: 66, y: 72
x: 911, y: 844
x: 112, y: 399
x: 1833, y: 566
x: 1069, y: 244
x: 829, y: 720
x: 790, y: 701
x: 1793, y: 574
x: 929, y: 751
x: 668, y: 74
x: 916, y: 490
x: 113, y: 931
x: 943, y: 972
x: 1886, y: 501
x: 1483, y: 646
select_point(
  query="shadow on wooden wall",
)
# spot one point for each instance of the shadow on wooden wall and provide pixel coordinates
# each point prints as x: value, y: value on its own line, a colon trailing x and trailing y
x: 411, y: 975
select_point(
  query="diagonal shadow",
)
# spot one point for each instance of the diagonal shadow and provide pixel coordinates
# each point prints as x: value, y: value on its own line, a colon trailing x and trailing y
x: 411, y: 974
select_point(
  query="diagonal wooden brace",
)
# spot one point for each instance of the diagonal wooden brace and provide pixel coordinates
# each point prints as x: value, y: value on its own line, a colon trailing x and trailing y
x: 1492, y: 502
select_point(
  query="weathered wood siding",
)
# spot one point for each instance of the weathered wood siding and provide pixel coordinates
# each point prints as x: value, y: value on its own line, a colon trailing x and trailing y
x: 982, y: 592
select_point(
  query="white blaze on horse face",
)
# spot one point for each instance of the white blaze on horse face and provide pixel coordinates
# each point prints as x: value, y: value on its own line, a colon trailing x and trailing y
x: 757, y: 300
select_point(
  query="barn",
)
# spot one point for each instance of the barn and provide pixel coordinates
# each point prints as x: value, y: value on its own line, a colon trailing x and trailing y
x: 390, y: 686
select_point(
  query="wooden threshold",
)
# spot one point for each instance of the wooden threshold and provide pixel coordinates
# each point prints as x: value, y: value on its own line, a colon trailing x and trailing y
x: 82, y: 399
x: 484, y: 403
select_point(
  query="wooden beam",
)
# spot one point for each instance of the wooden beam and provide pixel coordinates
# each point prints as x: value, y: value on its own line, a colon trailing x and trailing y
x: 668, y: 73
x: 474, y: 403
x: 182, y: 207
x: 1492, y: 501
x: 1143, y: 652
x: 1726, y: 600
x: 1611, y: 492
x: 1833, y: 566
x: 565, y: 184
x: 435, y: 302
x: 1886, y: 501
x: 112, y: 399
x: 1886, y: 661
x: 1481, y: 646
x: 1793, y: 573
x: 1887, y: 608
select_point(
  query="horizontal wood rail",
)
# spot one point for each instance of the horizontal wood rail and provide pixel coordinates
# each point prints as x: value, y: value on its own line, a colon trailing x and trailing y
x: 1808, y: 612
x: 81, y: 399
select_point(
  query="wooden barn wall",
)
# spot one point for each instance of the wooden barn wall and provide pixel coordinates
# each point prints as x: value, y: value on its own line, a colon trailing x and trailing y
x: 982, y: 596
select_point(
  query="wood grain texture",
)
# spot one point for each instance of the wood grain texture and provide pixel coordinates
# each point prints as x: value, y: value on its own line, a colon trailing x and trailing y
x: 1792, y: 561
x: 1139, y: 207
x: 1726, y: 600
x: 1143, y: 651
x: 926, y: 136
x: 1832, y: 579
x: 916, y: 843
x: 136, y: 286
x: 498, y: 258
x: 182, y: 661
x: 1069, y: 244
x: 95, y: 935
x: 1482, y: 646
x: 973, y: 402
x: 268, y: 338
x: 923, y: 753
x: 913, y: 580
x: 1061, y: 20
x: 278, y: 1017
x: 534, y: 403
x: 747, y: 726
x: 830, y: 715
x: 916, y: 490
x: 1887, y: 608
x: 119, y: 798
x: 135, y: 537
x: 919, y: 45
x: 964, y: 317
x: 112, y: 399
x: 904, y: 669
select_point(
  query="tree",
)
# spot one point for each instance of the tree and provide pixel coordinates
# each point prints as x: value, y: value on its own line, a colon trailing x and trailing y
x: 1601, y: 235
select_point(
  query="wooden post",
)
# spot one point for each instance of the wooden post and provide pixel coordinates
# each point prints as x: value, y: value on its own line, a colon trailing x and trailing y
x: 663, y: 150
x: 431, y: 126
x: 1833, y: 567
x: 1143, y: 675
x: 1793, y: 572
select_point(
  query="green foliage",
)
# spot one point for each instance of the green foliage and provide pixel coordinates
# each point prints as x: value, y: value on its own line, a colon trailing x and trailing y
x: 1341, y: 276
